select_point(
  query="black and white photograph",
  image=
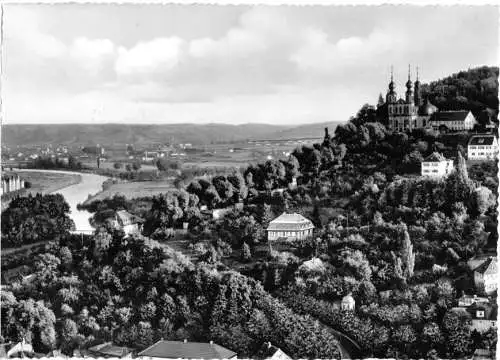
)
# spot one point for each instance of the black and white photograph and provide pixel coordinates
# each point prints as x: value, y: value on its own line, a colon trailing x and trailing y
x: 249, y: 181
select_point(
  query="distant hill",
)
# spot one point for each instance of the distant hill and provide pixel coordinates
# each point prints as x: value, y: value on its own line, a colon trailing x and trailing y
x: 304, y: 131
x: 84, y: 134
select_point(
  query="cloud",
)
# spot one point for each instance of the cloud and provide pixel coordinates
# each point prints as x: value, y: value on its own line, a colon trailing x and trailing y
x: 149, y: 58
x: 267, y: 64
x: 92, y: 54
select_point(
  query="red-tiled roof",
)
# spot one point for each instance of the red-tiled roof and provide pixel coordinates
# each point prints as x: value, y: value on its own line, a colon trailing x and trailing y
x: 187, y: 350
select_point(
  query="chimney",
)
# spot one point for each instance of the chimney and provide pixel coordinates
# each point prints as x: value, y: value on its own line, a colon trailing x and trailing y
x: 185, y: 341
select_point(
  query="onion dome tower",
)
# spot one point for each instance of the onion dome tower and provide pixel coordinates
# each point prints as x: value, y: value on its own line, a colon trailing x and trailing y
x: 391, y: 96
x: 418, y: 95
x: 427, y: 108
x: 409, y: 89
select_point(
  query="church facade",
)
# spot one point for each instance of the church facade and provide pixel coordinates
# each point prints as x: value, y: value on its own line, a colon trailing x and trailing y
x: 409, y: 113
x: 414, y: 112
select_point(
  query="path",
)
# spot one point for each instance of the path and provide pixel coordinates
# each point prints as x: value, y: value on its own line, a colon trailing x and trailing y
x: 8, y: 251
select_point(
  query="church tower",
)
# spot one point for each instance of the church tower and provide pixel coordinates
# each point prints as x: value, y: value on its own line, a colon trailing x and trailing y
x: 418, y: 95
x: 409, y: 90
x: 391, y: 96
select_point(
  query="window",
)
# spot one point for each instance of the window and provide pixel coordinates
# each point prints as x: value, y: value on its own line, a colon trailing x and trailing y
x: 480, y: 313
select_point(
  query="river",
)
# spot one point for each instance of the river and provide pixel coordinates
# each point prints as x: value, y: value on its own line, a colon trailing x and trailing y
x: 77, y: 194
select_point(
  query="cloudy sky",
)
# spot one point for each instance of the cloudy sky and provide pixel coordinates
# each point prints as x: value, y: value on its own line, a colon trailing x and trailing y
x: 226, y: 64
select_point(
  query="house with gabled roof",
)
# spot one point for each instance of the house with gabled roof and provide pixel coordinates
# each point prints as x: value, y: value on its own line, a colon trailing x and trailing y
x: 436, y: 165
x: 484, y: 316
x: 462, y: 120
x: 164, y: 349
x: 482, y: 354
x: 485, y: 276
x: 14, y: 350
x: 289, y: 227
x: 269, y: 351
x: 482, y: 147
x: 468, y: 300
x: 128, y: 222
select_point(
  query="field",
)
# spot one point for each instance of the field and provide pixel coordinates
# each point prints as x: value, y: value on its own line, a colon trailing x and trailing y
x: 135, y: 189
x: 46, y: 182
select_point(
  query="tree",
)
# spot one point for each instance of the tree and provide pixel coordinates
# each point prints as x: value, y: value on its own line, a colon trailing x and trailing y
x: 431, y: 336
x: 36, y: 218
x: 128, y: 167
x: 246, y: 254
x: 404, y: 337
x: 69, y: 332
x: 380, y: 101
x: 408, y: 257
x: 66, y: 257
x: 483, y: 199
x: 136, y: 165
x: 457, y: 333
x: 118, y: 165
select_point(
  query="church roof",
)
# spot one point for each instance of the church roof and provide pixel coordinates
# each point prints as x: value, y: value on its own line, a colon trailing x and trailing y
x: 427, y: 109
x: 292, y: 221
x: 450, y: 115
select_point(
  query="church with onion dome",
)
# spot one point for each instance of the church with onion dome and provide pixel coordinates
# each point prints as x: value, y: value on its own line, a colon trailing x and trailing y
x: 408, y: 113
x: 413, y: 112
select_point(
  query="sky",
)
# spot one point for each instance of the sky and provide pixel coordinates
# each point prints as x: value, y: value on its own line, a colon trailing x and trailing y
x: 235, y: 64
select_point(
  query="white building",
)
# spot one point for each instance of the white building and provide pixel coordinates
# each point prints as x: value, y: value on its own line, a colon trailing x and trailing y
x: 270, y: 352
x: 485, y: 276
x: 482, y: 147
x: 127, y: 222
x: 10, y: 183
x: 290, y: 227
x: 436, y: 165
x: 453, y: 121
x: 348, y: 303
x: 163, y: 349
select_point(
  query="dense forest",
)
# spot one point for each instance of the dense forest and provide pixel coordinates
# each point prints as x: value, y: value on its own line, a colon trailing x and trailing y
x: 475, y: 89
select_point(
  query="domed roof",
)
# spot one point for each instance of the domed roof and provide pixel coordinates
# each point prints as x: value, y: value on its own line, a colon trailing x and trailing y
x: 427, y: 108
x: 409, y: 84
x: 348, y: 299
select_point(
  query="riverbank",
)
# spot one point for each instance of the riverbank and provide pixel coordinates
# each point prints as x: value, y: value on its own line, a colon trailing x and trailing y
x: 88, y: 185
x: 41, y: 182
x: 48, y: 182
